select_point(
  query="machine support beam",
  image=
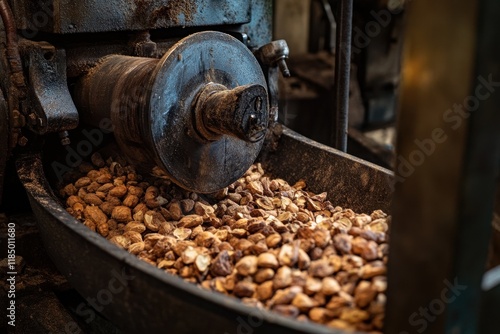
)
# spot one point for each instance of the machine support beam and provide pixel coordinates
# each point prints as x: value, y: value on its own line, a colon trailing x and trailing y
x: 448, y: 164
x: 342, y: 72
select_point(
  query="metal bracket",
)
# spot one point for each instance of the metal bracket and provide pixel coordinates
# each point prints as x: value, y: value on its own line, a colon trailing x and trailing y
x: 272, y: 59
x: 49, y: 107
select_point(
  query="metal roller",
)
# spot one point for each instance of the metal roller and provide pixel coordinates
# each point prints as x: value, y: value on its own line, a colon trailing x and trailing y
x: 201, y: 112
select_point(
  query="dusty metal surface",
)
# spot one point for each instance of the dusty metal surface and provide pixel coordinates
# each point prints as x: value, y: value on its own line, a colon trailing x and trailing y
x: 259, y: 29
x: 70, y: 17
x: 152, y: 104
x: 350, y: 182
x: 50, y: 108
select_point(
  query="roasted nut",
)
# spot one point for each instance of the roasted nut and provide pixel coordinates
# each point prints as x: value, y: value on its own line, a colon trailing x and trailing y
x: 320, y: 315
x: 303, y: 261
x: 267, y: 260
x: 273, y: 240
x: 202, y: 262
x: 303, y: 302
x: 372, y: 269
x: 312, y: 285
x: 136, y: 248
x: 263, y: 275
x: 342, y: 243
x: 118, y: 191
x: 182, y: 233
x: 175, y: 210
x: 288, y: 255
x: 364, y: 294
x: 95, y: 214
x: 92, y: 199
x: 272, y: 245
x: 320, y: 268
x: 205, y: 239
x: 247, y: 265
x: 131, y: 201
x: 286, y: 310
x: 82, y: 182
x: 190, y: 221
x: 265, y: 291
x: 120, y: 241
x: 283, y: 278
x: 244, y: 289
x: 353, y: 315
x: 222, y: 265
x: 122, y: 214
x: 189, y: 255
x: 203, y: 210
x: 329, y: 286
x: 135, y: 226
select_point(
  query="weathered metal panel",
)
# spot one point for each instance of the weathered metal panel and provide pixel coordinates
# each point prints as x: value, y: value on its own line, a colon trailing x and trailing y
x: 448, y: 164
x: 84, y: 16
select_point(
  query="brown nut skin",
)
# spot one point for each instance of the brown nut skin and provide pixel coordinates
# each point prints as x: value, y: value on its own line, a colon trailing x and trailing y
x: 273, y: 245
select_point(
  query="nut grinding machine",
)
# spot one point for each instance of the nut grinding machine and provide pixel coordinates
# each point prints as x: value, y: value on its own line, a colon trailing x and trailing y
x: 191, y: 86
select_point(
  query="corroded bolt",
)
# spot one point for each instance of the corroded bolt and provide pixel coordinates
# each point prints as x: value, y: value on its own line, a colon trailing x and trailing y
x: 284, y: 68
x: 275, y: 54
x: 33, y: 119
x: 64, y: 135
x: 23, y: 141
x: 240, y: 112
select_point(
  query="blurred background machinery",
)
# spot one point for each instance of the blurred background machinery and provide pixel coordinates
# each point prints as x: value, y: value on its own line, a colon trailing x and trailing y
x: 308, y: 98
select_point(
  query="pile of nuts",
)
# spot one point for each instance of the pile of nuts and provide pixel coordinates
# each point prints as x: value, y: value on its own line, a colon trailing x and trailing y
x: 272, y: 245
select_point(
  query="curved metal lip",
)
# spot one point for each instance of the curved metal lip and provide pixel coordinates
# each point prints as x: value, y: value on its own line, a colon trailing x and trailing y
x: 31, y: 174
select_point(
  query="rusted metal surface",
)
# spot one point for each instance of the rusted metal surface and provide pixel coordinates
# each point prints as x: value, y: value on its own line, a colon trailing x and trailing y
x: 350, y: 182
x: 69, y: 17
x: 4, y: 140
x: 241, y: 112
x: 12, y: 79
x: 151, y: 104
x: 259, y: 29
x: 12, y: 47
x: 51, y: 108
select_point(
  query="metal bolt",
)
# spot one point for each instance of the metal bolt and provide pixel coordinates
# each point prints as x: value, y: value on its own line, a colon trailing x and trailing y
x: 18, y: 119
x: 239, y: 112
x: 64, y: 135
x: 284, y: 68
x: 23, y: 141
x: 33, y: 119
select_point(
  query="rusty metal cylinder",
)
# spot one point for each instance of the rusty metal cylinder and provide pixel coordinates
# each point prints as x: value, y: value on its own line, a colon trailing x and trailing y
x: 200, y: 112
x: 117, y: 89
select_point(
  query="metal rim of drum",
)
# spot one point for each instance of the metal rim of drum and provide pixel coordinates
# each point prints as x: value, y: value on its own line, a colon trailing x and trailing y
x: 186, y: 68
